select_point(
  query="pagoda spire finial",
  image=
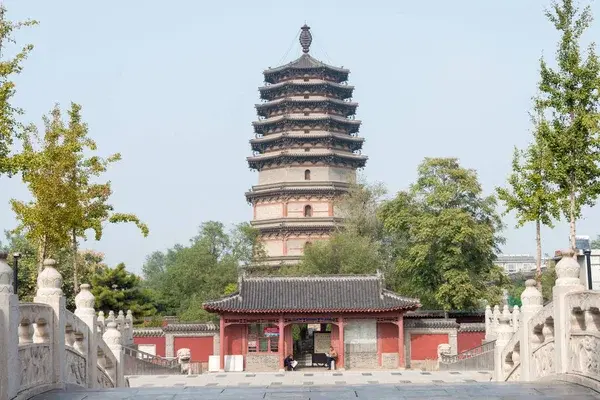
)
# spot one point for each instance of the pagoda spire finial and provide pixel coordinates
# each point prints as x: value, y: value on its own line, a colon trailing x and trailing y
x: 305, y: 38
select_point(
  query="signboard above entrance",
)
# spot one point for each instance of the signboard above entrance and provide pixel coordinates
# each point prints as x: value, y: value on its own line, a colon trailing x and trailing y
x: 271, y: 331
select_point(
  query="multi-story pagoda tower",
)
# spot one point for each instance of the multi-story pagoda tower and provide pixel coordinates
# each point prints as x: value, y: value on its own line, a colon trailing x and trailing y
x: 306, y: 150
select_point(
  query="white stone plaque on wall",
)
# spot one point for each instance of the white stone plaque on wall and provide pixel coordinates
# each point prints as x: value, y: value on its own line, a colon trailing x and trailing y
x: 322, y: 341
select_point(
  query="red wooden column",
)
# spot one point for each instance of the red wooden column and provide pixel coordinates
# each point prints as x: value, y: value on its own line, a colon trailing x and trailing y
x: 341, y: 342
x: 400, y: 324
x: 222, y: 344
x: 281, y: 345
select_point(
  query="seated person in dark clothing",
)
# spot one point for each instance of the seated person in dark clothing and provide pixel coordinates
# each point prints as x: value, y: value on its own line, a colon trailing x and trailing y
x: 331, y: 356
x: 289, y: 363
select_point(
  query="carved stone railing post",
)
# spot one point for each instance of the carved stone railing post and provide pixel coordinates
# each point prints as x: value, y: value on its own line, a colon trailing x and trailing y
x: 9, y: 337
x: 129, y: 325
x: 84, y: 303
x: 567, y: 281
x: 113, y: 339
x: 531, y: 303
x: 516, y: 318
x: 504, y: 334
x: 488, y: 323
x: 50, y: 292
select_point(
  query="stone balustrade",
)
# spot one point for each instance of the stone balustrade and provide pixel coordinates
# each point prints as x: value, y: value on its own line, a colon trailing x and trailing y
x: 43, y: 346
x: 558, y: 341
x: 492, y: 320
x: 124, y: 324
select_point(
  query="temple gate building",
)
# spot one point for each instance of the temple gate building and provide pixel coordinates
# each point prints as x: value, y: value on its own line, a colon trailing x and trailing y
x: 306, y: 150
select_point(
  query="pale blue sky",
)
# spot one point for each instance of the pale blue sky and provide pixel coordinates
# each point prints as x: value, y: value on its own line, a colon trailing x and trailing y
x: 171, y: 85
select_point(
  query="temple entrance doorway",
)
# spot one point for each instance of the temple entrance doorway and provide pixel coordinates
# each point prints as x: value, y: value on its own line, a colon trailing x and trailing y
x: 311, y: 344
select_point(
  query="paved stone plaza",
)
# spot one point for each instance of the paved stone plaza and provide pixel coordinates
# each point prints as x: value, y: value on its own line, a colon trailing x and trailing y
x: 487, y: 391
x: 329, y: 385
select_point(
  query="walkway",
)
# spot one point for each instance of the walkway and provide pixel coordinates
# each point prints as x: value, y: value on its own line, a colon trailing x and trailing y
x: 327, y: 385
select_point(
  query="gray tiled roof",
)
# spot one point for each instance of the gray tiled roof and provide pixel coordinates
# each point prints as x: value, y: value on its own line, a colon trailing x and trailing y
x: 354, y: 293
x: 191, y: 327
x: 305, y: 62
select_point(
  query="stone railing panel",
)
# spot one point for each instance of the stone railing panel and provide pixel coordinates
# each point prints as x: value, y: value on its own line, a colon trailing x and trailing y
x: 541, y: 339
x: 107, y: 365
x: 584, y: 334
x: 35, y: 364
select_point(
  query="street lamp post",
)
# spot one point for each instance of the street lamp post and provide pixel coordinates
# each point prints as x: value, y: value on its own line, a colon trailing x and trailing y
x: 16, y: 257
x: 588, y: 261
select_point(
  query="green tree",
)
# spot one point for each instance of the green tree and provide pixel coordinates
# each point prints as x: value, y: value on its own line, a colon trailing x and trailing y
x: 595, y: 244
x: 116, y: 289
x: 9, y: 67
x: 89, y: 209
x: 67, y: 200
x: 44, y: 220
x: 529, y: 193
x: 184, y: 277
x: 569, y: 95
x: 93, y: 263
x: 451, y: 235
x: 345, y: 252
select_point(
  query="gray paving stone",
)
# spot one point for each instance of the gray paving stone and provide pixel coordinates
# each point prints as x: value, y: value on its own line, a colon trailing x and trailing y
x: 340, y: 382
x: 396, y: 373
x: 454, y: 373
x: 367, y: 374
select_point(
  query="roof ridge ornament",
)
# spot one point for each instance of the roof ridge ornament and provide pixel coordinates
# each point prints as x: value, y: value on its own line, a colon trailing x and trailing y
x: 305, y: 38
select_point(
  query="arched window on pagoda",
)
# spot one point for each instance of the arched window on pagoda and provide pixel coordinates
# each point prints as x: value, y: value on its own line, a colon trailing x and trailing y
x: 307, y: 175
x: 307, y: 211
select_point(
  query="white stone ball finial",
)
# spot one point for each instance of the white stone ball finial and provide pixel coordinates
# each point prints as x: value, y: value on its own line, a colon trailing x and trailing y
x: 111, y: 316
x: 85, y: 301
x: 6, y: 274
x: 129, y: 315
x: 531, y: 296
x: 49, y: 281
x: 121, y: 315
x: 567, y: 269
x: 112, y: 337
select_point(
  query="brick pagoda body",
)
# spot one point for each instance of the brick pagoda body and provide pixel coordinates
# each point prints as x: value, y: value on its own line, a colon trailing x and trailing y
x: 306, y: 150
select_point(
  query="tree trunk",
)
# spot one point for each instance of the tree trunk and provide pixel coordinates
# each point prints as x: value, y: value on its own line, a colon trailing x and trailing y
x: 41, y: 255
x: 572, y: 218
x: 538, y: 261
x: 75, y: 262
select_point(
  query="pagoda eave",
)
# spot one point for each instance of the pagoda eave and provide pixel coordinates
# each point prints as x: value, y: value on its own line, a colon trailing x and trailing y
x: 262, y: 162
x: 295, y: 193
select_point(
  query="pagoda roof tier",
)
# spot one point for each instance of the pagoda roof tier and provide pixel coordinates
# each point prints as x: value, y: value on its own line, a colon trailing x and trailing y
x: 345, y: 108
x: 290, y: 121
x: 306, y: 66
x: 299, y: 88
x: 286, y: 139
x: 294, y: 190
x: 311, y: 294
x: 285, y: 158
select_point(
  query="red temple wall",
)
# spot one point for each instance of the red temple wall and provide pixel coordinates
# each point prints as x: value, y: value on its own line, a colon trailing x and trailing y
x: 387, y: 334
x: 158, y: 342
x: 468, y: 340
x: 200, y: 346
x: 424, y: 346
x: 234, y: 339
x: 335, y: 337
x: 288, y: 340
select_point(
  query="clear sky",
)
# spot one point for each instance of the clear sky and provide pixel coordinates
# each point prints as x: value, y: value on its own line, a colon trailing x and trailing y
x: 172, y: 86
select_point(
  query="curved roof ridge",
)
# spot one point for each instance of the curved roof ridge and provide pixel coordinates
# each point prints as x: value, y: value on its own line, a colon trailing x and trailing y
x: 305, y: 61
x: 312, y: 277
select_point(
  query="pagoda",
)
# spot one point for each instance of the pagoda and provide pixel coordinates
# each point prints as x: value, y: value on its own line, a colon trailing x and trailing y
x: 306, y: 150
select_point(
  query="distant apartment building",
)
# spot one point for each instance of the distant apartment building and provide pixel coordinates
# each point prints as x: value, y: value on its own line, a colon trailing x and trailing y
x: 516, y: 263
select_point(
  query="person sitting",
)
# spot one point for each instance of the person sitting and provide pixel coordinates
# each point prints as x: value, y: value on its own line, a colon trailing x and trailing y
x: 331, y: 356
x: 289, y: 363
